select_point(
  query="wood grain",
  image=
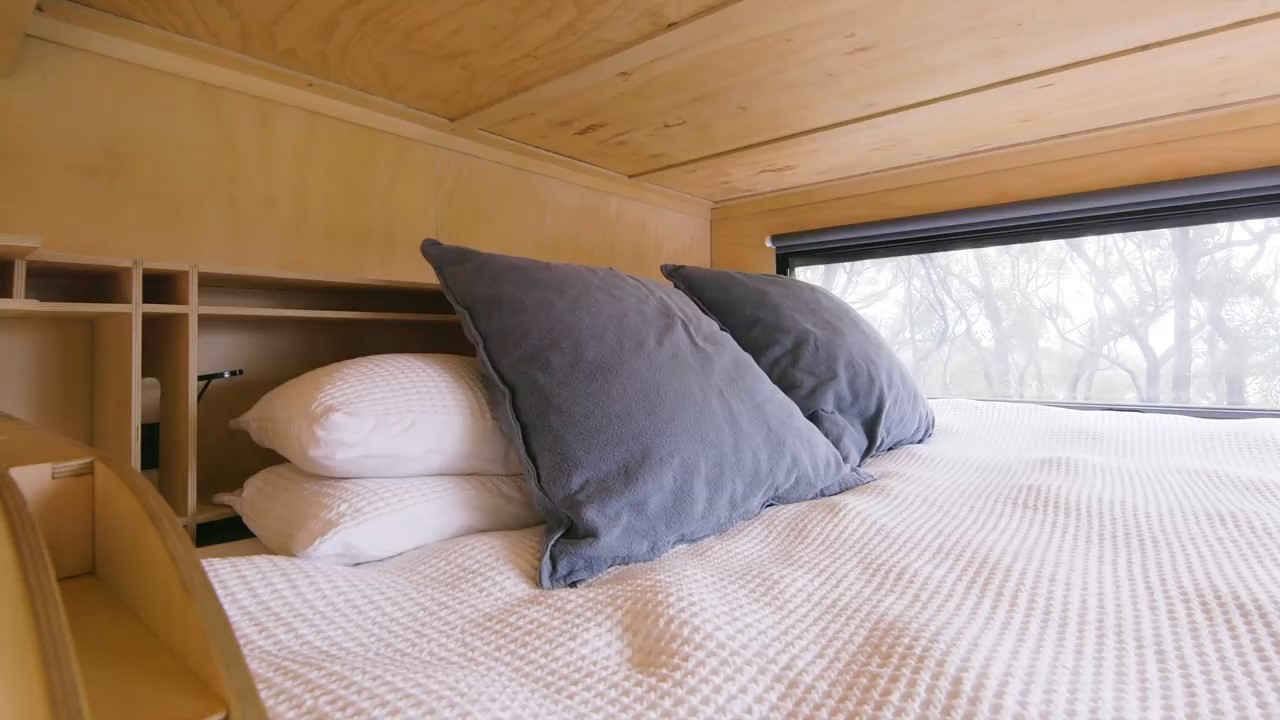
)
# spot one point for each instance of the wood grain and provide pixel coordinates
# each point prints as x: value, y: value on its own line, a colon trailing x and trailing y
x: 80, y: 27
x: 176, y: 170
x: 1212, y: 71
x: 62, y: 508
x: 13, y: 247
x: 14, y: 15
x: 446, y: 58
x: 1172, y: 130
x: 128, y: 673
x: 47, y: 368
x: 116, y: 364
x: 738, y: 241
x: 491, y: 207
x: 777, y: 69
x: 39, y: 678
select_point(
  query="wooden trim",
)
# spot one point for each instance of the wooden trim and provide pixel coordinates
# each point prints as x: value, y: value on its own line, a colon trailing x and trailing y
x: 693, y: 31
x: 13, y: 247
x: 1210, y: 122
x: 75, y: 26
x: 53, y: 258
x: 268, y: 279
x: 14, y: 15
x: 234, y: 311
x: 186, y: 451
x: 60, y: 500
x: 36, y: 308
x: 150, y: 309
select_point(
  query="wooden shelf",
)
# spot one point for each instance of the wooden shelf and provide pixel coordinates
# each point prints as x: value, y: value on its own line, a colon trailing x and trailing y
x: 13, y: 247
x: 267, y: 280
x: 164, y: 309
x: 35, y: 308
x: 300, y: 314
x: 207, y: 511
x: 128, y: 672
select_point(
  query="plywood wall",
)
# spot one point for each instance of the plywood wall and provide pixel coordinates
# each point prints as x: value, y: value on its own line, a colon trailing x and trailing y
x: 103, y: 157
x: 1239, y: 140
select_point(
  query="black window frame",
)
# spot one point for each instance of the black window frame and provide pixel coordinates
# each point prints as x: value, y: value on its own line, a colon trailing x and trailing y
x: 1246, y: 195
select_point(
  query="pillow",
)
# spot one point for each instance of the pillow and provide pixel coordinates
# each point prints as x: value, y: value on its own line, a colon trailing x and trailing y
x: 349, y: 521
x: 829, y: 360
x: 385, y: 416
x: 641, y: 423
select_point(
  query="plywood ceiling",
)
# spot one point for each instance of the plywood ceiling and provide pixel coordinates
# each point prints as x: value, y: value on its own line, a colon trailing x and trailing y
x: 724, y: 99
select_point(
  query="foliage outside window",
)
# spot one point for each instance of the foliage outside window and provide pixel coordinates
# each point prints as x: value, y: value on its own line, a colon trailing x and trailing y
x: 1183, y: 316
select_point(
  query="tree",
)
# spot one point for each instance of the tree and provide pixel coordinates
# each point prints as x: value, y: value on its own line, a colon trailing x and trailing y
x: 1181, y: 315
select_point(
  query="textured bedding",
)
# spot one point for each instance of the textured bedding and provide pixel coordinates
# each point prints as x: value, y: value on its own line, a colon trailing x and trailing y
x: 1027, y: 561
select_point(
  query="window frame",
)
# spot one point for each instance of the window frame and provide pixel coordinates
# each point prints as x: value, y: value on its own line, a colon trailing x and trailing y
x: 1247, y: 195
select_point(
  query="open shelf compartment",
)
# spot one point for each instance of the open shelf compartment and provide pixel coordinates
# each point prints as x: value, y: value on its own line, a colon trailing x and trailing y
x: 112, y: 590
x: 291, y: 296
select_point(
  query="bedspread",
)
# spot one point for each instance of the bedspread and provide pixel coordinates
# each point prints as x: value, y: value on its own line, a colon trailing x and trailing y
x: 1028, y: 561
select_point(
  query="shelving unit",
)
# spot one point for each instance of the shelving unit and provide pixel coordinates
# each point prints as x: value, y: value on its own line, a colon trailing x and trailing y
x: 88, y: 330
x: 276, y: 326
x: 67, y: 325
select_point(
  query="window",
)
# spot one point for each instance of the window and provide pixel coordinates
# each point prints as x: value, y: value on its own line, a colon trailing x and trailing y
x: 1182, y: 317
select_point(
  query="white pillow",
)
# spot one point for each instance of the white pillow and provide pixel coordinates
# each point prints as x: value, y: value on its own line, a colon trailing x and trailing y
x: 385, y: 416
x: 356, y: 520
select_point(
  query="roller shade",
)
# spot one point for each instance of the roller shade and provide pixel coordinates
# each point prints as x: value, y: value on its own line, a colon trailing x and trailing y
x: 1195, y: 201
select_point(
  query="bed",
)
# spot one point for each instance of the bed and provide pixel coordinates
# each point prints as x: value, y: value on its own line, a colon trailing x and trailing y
x: 1027, y: 561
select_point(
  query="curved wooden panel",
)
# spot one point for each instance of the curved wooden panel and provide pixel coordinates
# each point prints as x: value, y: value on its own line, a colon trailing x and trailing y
x: 38, y: 676
x: 135, y: 632
x: 445, y: 57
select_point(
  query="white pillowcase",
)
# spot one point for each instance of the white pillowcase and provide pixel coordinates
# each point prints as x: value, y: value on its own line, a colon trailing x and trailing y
x: 385, y: 416
x: 356, y: 520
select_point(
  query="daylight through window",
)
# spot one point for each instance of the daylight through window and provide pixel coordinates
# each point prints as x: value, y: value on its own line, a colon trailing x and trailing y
x: 1180, y: 316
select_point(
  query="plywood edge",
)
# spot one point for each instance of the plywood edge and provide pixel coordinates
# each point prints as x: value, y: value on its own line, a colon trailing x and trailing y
x: 82, y: 28
x: 45, y: 678
x: 249, y: 278
x: 1159, y: 131
x: 15, y: 247
x: 236, y: 311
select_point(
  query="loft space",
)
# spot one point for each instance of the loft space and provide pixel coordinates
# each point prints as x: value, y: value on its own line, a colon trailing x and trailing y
x: 729, y: 100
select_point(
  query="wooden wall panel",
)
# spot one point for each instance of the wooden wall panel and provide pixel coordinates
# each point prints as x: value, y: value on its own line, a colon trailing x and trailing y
x: 106, y: 158
x: 738, y: 239
x: 48, y: 382
x: 494, y: 207
x: 13, y: 20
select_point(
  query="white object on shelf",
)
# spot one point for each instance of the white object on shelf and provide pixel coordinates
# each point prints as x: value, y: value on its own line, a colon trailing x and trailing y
x: 150, y: 391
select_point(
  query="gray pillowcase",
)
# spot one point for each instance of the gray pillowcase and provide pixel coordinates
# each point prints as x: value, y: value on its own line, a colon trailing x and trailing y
x: 828, y: 359
x: 640, y: 422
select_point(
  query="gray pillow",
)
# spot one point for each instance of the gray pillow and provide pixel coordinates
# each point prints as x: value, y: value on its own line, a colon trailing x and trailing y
x: 640, y: 422
x: 821, y: 353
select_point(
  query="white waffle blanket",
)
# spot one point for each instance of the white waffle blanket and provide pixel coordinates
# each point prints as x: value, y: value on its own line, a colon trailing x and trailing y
x: 1027, y: 562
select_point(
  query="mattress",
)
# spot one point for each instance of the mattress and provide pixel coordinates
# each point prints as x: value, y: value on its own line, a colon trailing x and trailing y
x: 1027, y: 561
